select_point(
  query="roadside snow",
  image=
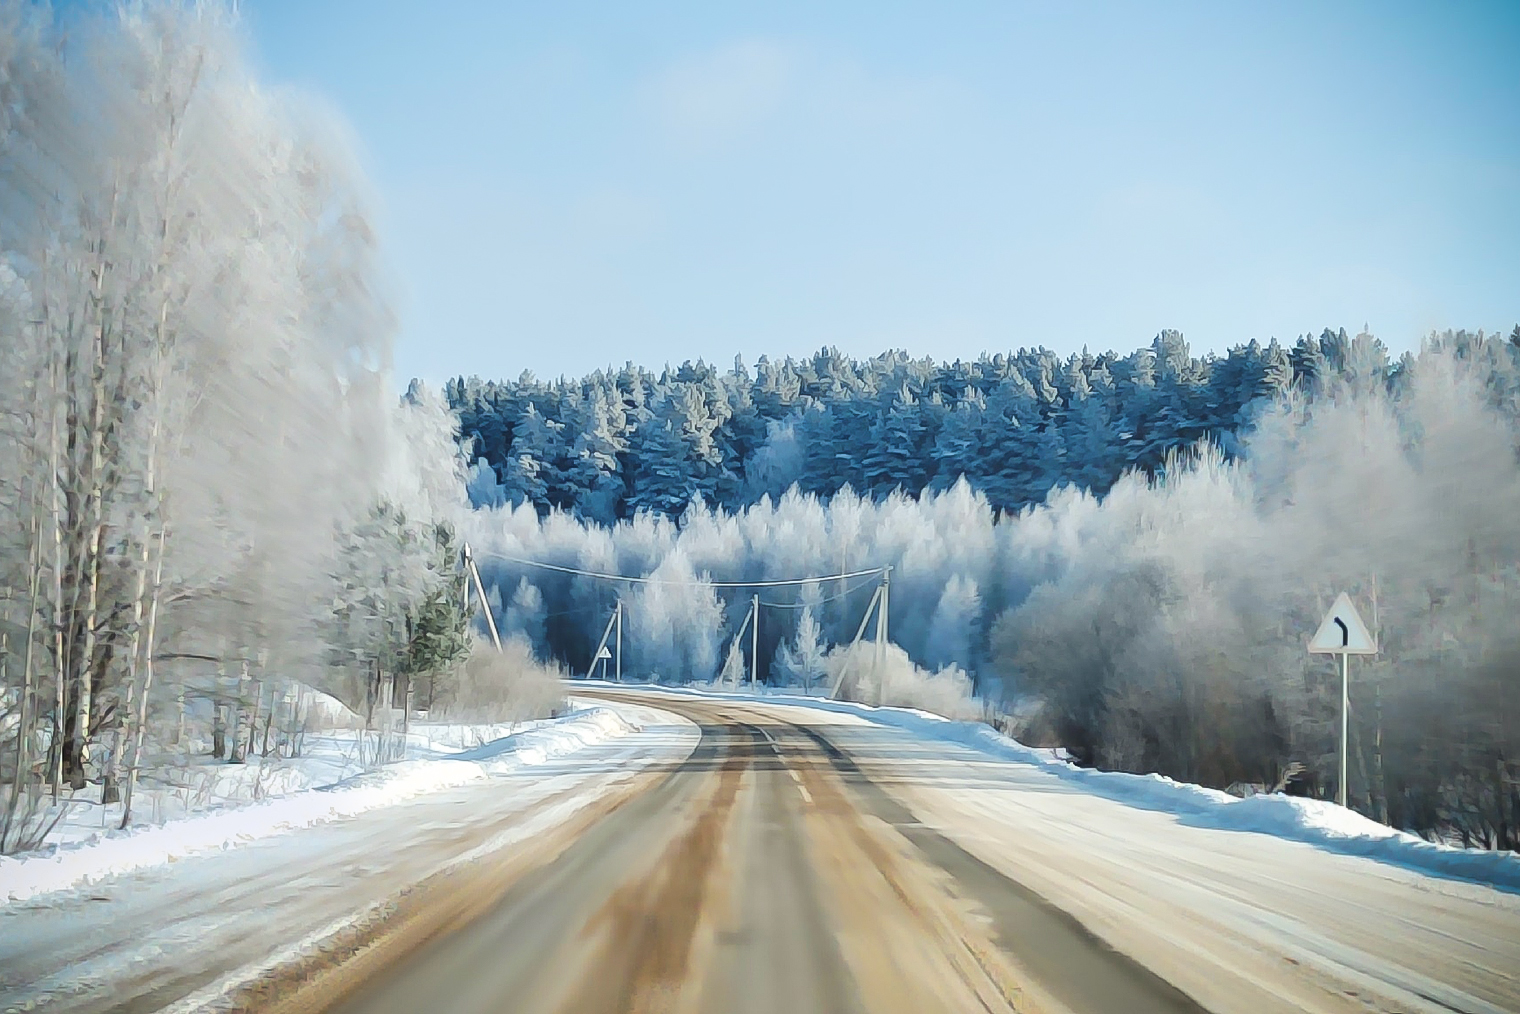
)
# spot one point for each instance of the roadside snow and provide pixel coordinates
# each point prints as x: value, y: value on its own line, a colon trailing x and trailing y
x: 447, y: 757
x: 182, y: 935
x: 1312, y: 821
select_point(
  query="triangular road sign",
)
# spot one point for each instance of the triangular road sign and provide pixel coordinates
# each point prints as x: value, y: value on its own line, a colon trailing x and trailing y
x: 1343, y: 632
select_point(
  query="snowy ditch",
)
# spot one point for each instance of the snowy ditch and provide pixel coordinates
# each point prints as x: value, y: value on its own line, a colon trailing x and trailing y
x: 295, y: 795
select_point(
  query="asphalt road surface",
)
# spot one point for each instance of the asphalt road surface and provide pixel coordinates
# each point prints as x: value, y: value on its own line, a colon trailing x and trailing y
x: 766, y: 873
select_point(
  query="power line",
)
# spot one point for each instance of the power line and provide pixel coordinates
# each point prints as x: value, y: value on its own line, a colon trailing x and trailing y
x: 832, y: 598
x: 788, y: 583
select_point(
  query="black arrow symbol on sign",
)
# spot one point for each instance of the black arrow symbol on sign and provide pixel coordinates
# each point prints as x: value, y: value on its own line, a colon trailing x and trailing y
x: 1345, y: 632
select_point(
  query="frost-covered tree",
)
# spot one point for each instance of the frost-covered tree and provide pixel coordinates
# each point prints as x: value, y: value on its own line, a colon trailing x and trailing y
x: 201, y: 438
x: 525, y: 615
x: 801, y: 662
x: 1359, y: 488
x: 955, y: 628
x: 733, y: 673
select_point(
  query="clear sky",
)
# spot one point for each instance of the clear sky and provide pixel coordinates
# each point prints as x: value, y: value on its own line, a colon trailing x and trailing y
x: 564, y: 186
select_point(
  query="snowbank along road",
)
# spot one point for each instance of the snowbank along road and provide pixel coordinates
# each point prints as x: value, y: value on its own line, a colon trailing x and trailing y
x: 790, y: 859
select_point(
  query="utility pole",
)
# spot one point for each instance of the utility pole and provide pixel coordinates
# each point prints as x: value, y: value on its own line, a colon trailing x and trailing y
x: 749, y: 618
x: 881, y: 635
x: 597, y: 656
x: 480, y: 590
x: 859, y: 633
x: 620, y: 640
x: 754, y: 642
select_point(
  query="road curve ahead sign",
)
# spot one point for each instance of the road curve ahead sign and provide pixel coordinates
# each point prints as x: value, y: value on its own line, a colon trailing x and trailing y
x: 1343, y: 632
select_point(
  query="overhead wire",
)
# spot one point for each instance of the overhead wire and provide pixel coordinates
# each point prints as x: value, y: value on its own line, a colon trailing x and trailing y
x: 780, y: 583
x: 818, y: 602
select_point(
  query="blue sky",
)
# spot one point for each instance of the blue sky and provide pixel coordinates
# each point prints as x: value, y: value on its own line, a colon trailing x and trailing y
x: 566, y: 186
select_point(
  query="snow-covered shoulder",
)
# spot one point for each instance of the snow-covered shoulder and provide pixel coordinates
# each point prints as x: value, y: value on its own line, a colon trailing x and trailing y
x: 440, y: 756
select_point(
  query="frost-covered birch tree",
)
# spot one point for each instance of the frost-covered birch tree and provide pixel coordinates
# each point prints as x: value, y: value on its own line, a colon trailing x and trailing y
x: 194, y: 385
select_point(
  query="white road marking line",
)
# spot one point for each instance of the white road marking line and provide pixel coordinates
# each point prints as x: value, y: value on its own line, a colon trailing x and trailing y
x: 776, y: 747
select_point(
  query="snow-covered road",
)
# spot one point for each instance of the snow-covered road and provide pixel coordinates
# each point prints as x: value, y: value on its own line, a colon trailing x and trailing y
x: 801, y: 858
x: 1241, y: 921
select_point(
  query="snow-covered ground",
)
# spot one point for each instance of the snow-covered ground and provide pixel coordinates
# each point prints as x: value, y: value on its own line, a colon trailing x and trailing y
x: 133, y: 927
x: 194, y: 808
x: 1313, y: 821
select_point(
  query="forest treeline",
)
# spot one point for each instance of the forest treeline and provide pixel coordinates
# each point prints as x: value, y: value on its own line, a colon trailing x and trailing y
x: 620, y: 442
x: 1143, y: 599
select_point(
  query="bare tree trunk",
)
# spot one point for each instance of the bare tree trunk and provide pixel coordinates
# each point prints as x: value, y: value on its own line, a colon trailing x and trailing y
x: 298, y: 715
x: 150, y: 485
x: 219, y: 716
x: 236, y: 747
x: 5, y: 659
x: 55, y: 745
x: 369, y: 697
x: 406, y: 702
x: 253, y: 723
x: 84, y: 668
x: 388, y: 710
x: 28, y: 717
x: 142, y: 702
x: 274, y: 703
x: 1382, y: 788
x: 1504, y: 831
x: 1361, y: 767
x: 79, y: 719
x: 118, y: 755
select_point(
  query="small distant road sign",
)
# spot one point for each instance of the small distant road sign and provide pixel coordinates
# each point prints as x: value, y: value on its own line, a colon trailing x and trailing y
x: 1343, y: 632
x: 604, y: 653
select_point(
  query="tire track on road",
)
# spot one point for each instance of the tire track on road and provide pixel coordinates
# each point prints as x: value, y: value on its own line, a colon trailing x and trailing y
x: 1071, y: 966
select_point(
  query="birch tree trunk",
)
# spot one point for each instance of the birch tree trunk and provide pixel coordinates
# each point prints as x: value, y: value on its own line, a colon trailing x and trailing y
x: 25, y: 729
x: 253, y: 722
x: 55, y: 742
x: 83, y: 667
x: 109, y: 791
x: 142, y: 702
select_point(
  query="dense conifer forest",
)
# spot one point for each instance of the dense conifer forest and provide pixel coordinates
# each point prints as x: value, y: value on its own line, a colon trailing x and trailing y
x: 619, y: 442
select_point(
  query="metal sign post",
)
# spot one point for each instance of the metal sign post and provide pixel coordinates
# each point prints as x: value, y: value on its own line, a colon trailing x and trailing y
x: 1343, y: 633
